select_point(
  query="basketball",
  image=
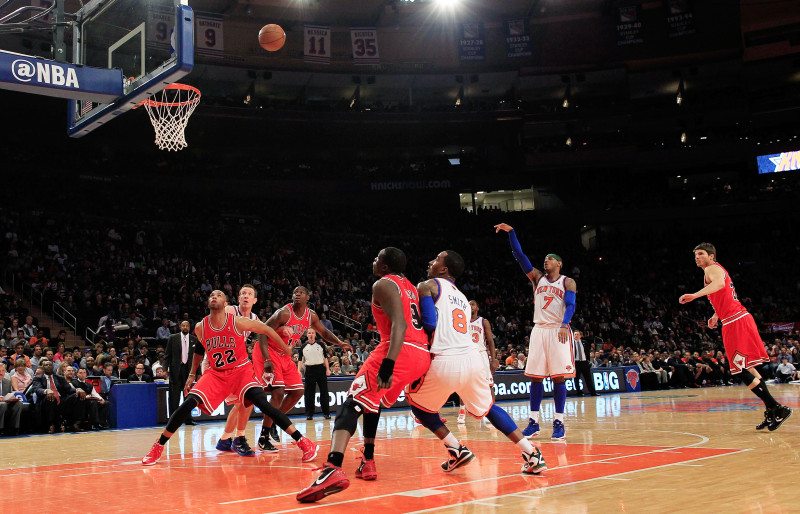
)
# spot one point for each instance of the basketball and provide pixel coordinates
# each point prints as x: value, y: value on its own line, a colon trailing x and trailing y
x: 271, y: 37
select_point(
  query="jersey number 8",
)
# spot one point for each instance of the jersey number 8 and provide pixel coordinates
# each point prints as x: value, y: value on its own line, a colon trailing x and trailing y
x: 459, y: 321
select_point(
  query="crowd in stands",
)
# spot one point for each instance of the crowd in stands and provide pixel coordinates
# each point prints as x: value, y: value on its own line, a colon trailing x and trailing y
x: 131, y: 283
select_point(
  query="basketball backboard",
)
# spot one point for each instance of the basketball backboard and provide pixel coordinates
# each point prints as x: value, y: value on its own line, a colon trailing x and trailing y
x: 151, y: 41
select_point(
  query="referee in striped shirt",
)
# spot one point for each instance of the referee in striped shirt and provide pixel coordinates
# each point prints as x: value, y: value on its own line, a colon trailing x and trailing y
x: 317, y: 372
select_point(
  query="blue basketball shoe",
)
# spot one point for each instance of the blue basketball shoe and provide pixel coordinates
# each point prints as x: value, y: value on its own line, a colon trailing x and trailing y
x: 225, y: 445
x: 559, y: 434
x: 241, y: 447
x: 532, y: 430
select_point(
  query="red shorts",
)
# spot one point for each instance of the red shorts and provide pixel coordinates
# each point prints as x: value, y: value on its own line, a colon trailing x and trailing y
x: 412, y: 363
x: 215, y: 387
x: 743, y: 344
x: 285, y: 372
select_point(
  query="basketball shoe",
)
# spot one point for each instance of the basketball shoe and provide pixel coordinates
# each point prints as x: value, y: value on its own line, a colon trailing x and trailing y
x: 534, y: 462
x: 153, y: 455
x: 225, y: 445
x: 532, y: 430
x: 241, y: 447
x: 366, y: 470
x: 309, y: 448
x: 332, y: 480
x: 462, y: 416
x: 779, y: 414
x: 458, y: 457
x: 767, y: 419
x: 265, y: 445
x: 559, y: 434
x: 273, y: 432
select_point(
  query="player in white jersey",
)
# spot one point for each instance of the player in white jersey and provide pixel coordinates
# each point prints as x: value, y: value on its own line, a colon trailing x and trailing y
x: 480, y: 332
x: 550, y: 348
x: 459, y: 366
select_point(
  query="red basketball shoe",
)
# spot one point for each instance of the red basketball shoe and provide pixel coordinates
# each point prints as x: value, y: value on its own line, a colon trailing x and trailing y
x: 309, y: 448
x: 153, y: 455
x: 366, y: 470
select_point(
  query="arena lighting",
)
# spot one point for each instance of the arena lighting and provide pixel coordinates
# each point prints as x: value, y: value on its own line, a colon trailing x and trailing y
x: 446, y: 4
x: 679, y: 96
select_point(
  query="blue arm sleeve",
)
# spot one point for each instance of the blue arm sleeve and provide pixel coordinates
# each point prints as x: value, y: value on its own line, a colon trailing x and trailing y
x: 569, y: 301
x: 428, y: 313
x: 521, y: 258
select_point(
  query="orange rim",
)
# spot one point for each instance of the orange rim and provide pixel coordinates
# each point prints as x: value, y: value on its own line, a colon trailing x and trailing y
x: 184, y: 87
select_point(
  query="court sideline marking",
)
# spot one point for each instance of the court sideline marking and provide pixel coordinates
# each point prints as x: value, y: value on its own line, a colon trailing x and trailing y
x: 539, y: 490
x: 516, y: 475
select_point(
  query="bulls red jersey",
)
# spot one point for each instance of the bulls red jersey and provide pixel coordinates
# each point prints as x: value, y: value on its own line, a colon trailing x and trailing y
x: 725, y: 302
x: 225, y: 346
x: 298, y: 324
x: 410, y: 299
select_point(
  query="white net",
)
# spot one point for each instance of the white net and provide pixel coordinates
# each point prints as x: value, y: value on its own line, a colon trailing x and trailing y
x: 169, y: 113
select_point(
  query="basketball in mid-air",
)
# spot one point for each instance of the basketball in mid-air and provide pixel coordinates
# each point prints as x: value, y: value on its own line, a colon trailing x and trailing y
x: 271, y: 37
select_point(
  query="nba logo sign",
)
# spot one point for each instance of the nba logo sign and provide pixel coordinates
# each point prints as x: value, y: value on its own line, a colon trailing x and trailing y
x: 632, y: 377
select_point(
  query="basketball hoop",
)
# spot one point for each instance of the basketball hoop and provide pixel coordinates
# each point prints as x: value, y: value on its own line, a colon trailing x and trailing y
x: 169, y: 113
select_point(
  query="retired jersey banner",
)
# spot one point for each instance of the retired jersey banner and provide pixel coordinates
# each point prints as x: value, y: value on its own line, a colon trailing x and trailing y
x: 317, y: 44
x: 365, y: 45
x: 518, y: 39
x: 160, y: 24
x: 208, y: 34
x: 629, y: 28
x: 680, y: 18
x: 471, y: 45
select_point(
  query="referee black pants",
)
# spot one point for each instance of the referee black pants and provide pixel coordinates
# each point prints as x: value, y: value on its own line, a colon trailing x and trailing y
x: 583, y: 370
x: 316, y: 375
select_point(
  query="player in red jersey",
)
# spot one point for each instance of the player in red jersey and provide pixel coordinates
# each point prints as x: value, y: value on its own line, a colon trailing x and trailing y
x: 743, y: 344
x: 291, y: 322
x: 401, y: 358
x: 230, y: 374
x: 239, y: 415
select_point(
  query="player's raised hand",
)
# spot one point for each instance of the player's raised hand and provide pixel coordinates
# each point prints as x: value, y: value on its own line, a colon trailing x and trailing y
x: 686, y: 298
x: 504, y: 227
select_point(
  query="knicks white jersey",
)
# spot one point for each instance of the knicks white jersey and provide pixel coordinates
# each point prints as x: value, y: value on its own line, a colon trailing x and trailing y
x: 251, y: 316
x: 548, y: 301
x: 452, y: 335
x: 477, y: 333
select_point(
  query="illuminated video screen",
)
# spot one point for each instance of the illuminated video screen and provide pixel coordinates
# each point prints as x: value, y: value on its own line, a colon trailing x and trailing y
x: 777, y: 162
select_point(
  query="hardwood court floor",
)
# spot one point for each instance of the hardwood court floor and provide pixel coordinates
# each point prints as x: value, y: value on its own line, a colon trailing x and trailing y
x: 690, y: 450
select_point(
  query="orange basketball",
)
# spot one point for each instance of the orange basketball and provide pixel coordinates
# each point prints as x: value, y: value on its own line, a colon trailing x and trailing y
x: 271, y: 37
